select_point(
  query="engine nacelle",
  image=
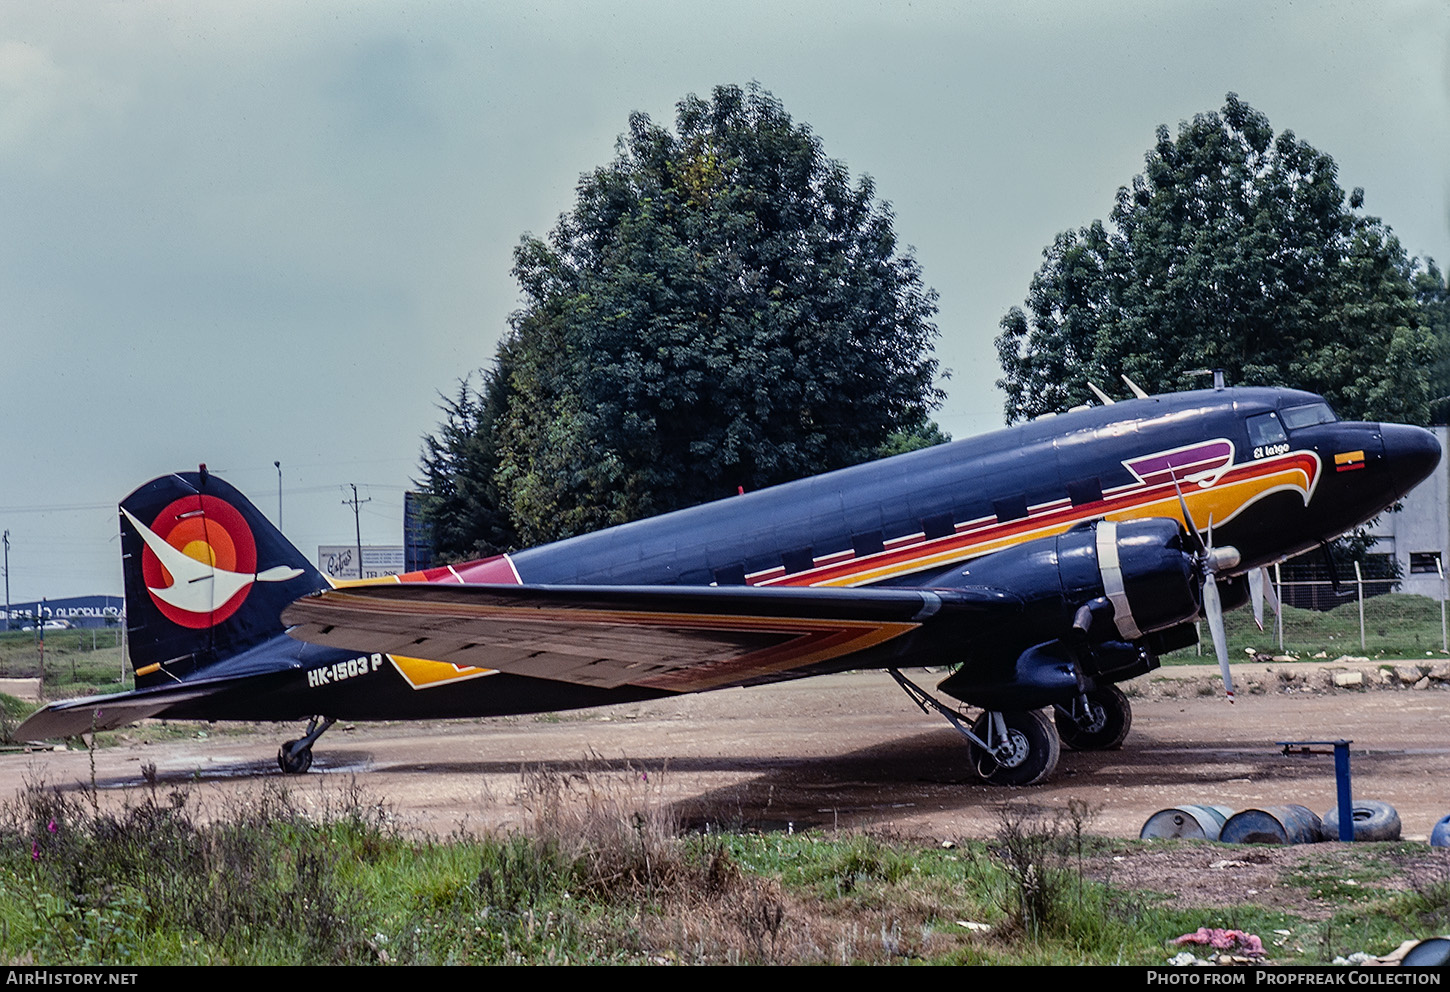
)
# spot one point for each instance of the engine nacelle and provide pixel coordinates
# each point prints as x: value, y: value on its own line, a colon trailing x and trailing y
x: 1147, y: 575
x: 1134, y: 577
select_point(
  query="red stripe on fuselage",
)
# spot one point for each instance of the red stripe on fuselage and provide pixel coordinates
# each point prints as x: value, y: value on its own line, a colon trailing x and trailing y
x: 1052, y: 517
x: 498, y: 570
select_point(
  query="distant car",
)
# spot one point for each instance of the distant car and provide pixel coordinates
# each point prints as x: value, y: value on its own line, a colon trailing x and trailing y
x: 50, y: 625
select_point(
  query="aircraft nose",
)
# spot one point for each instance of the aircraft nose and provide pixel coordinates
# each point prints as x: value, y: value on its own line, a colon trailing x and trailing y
x: 1412, y: 453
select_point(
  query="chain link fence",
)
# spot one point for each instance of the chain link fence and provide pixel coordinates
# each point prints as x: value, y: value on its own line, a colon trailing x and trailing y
x: 1361, y: 619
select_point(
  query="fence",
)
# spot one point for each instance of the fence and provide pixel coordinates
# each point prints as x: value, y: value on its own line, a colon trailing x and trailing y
x: 1363, y: 617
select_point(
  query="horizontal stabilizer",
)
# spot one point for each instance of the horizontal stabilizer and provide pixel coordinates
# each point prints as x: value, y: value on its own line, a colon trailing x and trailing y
x: 670, y: 638
x: 73, y: 717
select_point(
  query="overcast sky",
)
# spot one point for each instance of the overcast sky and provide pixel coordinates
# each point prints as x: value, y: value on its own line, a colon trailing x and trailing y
x: 247, y: 233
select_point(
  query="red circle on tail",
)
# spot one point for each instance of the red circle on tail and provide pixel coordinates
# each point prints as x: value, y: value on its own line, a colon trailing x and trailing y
x: 207, y: 529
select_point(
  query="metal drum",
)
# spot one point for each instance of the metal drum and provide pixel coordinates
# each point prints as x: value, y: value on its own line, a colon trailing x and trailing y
x: 1431, y: 953
x: 1440, y: 836
x: 1291, y: 824
x: 1187, y: 822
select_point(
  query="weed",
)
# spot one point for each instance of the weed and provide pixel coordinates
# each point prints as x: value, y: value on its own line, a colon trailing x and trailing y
x: 1427, y: 905
x: 1031, y: 854
x: 262, y: 875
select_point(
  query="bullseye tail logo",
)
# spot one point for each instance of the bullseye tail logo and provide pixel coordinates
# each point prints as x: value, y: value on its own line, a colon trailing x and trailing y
x: 200, y: 561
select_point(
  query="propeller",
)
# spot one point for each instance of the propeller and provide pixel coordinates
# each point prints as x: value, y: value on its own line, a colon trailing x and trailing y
x: 1211, y: 563
x: 1261, y: 588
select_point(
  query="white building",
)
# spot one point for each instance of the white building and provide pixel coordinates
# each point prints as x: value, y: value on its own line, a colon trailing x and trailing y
x: 1418, y: 534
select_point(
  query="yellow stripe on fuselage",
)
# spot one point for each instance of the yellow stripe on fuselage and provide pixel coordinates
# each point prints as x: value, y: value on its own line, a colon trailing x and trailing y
x: 1232, y: 493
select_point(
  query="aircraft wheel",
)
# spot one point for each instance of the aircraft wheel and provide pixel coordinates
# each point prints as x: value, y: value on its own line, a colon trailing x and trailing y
x: 1110, y: 716
x: 1027, y: 756
x: 293, y: 762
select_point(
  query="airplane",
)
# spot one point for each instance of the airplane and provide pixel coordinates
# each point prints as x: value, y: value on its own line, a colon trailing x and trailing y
x: 1042, y: 564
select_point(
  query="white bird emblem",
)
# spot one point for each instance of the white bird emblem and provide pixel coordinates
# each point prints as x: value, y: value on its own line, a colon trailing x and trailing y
x: 197, y: 586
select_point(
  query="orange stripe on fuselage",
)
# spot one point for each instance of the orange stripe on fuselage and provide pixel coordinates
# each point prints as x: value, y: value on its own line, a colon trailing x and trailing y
x: 1231, y: 493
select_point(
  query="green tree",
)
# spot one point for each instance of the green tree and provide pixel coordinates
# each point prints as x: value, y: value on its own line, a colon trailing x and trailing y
x: 723, y: 307
x: 1234, y: 249
x: 1433, y: 292
x: 462, y: 504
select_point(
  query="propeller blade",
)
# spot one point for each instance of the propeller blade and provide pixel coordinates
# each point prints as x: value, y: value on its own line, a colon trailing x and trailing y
x: 1193, y: 533
x: 1261, y: 588
x: 1256, y: 595
x: 1213, y: 610
x: 1269, y: 592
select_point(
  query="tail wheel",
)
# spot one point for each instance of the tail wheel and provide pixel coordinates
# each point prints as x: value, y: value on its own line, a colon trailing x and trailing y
x: 1103, y: 727
x: 1025, y: 755
x: 294, y: 759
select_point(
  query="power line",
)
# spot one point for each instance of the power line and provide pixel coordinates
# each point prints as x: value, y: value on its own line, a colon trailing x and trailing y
x: 356, y: 504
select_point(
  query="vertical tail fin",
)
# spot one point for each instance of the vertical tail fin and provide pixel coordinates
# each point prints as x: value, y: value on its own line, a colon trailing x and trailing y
x: 207, y: 576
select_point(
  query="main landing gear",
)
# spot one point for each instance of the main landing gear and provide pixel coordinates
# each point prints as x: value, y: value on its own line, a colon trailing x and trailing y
x: 1009, y: 747
x: 1021, y: 747
x: 1099, y: 720
x: 295, y: 757
x: 1013, y: 747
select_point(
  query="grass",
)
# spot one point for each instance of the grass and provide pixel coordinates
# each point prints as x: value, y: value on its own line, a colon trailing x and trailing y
x: 1396, y: 626
x: 599, y: 874
x: 77, y: 662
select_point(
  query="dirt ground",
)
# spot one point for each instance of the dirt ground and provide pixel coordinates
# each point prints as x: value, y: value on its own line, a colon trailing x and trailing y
x: 848, y: 751
x: 852, y: 752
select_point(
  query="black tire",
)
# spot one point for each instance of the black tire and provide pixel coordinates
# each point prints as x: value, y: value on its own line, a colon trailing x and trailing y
x: 1112, y: 719
x: 294, y: 762
x: 1373, y: 820
x: 1030, y: 754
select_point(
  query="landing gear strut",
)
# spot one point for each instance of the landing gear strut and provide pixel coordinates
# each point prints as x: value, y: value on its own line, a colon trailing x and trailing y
x: 1009, y: 747
x: 1099, y: 720
x: 1017, y: 747
x: 295, y: 757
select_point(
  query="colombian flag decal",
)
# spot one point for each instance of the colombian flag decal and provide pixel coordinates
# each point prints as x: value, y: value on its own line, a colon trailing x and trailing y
x: 1348, y: 461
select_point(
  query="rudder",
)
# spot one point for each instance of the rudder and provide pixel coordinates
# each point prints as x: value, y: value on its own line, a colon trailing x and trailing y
x: 207, y: 575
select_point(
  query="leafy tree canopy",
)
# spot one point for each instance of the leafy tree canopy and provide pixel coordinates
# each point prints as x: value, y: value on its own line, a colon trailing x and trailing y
x: 1433, y: 291
x: 462, y: 504
x: 723, y: 307
x: 1234, y: 249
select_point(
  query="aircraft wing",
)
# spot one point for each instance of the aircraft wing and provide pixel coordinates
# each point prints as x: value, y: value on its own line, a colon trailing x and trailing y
x: 670, y: 638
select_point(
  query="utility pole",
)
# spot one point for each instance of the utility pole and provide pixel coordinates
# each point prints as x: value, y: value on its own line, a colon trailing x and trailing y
x: 279, y: 494
x: 40, y: 643
x: 355, y: 503
x: 7, y: 580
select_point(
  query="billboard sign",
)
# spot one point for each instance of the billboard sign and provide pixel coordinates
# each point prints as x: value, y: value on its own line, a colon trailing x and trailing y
x: 339, y: 561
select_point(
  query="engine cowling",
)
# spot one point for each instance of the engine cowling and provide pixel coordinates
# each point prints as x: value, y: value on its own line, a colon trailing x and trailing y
x: 1095, y: 600
x: 1147, y: 574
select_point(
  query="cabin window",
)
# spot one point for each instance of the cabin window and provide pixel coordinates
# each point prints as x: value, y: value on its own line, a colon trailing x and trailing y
x: 1011, y: 508
x: 1082, y: 491
x: 1308, y: 415
x: 1265, y: 430
x: 730, y: 575
x: 799, y: 560
x: 870, y: 543
x: 938, y: 525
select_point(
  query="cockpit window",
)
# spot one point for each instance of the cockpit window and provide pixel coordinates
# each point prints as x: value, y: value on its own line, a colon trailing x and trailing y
x: 1265, y: 429
x: 1308, y: 415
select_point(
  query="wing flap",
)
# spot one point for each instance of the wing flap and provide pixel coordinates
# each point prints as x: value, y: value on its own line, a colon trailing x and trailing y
x: 669, y: 638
